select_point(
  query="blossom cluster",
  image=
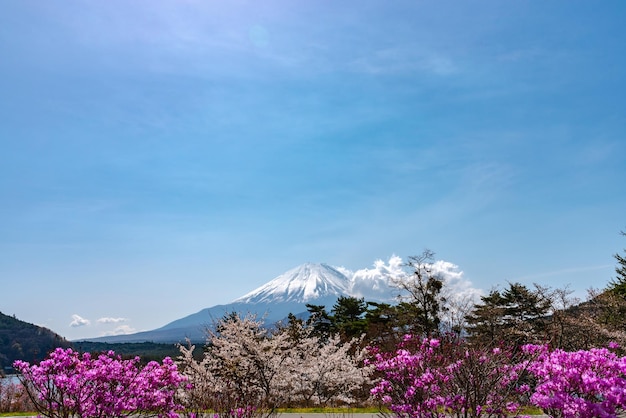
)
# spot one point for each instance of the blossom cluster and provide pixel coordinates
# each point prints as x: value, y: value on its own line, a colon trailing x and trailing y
x: 437, y: 378
x: 433, y: 378
x: 70, y: 384
x: 585, y: 383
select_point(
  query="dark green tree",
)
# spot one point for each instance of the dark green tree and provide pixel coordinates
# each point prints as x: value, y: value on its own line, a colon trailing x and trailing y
x: 525, y: 313
x: 382, y: 326
x: 486, y: 321
x: 618, y: 284
x: 319, y: 321
x: 348, y: 316
x: 518, y: 315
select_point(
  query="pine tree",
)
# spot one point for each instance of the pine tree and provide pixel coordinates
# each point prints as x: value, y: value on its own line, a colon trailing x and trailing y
x: 486, y: 321
x: 618, y: 285
x: 348, y: 316
x: 516, y: 315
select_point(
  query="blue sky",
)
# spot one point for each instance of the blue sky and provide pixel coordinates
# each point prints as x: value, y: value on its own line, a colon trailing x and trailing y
x: 159, y: 157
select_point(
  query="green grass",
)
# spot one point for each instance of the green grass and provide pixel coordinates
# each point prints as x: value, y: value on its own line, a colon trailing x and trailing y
x: 531, y: 410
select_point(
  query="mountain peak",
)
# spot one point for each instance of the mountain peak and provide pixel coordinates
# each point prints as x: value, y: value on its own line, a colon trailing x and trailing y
x: 306, y: 283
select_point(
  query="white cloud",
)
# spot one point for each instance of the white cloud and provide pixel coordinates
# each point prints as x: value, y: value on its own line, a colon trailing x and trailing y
x: 460, y: 294
x: 458, y: 286
x: 375, y: 284
x: 78, y: 321
x: 121, y: 330
x: 109, y: 320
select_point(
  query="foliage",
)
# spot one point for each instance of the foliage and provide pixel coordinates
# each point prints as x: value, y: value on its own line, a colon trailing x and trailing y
x: 348, y: 316
x: 515, y: 316
x: 320, y: 321
x: 422, y: 302
x: 618, y: 285
x: 68, y: 384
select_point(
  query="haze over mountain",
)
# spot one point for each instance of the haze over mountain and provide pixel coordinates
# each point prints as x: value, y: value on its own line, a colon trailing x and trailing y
x: 313, y: 283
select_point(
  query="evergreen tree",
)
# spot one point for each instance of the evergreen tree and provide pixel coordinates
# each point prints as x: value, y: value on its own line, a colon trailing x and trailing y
x: 319, y: 320
x: 486, y: 322
x: 382, y: 326
x: 348, y: 316
x: 618, y: 285
x: 517, y: 315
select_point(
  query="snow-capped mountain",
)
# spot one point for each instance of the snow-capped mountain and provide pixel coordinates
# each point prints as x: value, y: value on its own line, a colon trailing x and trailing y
x: 306, y: 283
x: 318, y: 284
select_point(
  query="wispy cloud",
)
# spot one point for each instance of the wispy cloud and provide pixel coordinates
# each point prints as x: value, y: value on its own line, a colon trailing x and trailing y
x: 79, y: 321
x: 562, y: 272
x: 109, y: 320
x: 121, y: 330
x: 405, y: 59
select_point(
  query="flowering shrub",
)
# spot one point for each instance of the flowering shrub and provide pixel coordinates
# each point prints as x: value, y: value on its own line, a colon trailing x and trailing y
x: 68, y: 384
x: 586, y: 383
x: 436, y: 378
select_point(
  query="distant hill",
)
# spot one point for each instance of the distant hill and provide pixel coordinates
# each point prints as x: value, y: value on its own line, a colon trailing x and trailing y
x: 21, y: 340
x: 147, y: 351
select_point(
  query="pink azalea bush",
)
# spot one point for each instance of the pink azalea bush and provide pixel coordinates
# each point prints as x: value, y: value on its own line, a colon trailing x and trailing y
x: 70, y: 384
x: 434, y: 378
x: 585, y: 383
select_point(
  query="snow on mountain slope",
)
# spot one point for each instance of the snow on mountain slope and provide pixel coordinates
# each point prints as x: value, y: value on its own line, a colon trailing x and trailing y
x: 306, y: 283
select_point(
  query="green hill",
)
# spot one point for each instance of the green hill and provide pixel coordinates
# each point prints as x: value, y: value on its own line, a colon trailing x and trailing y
x: 21, y: 340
